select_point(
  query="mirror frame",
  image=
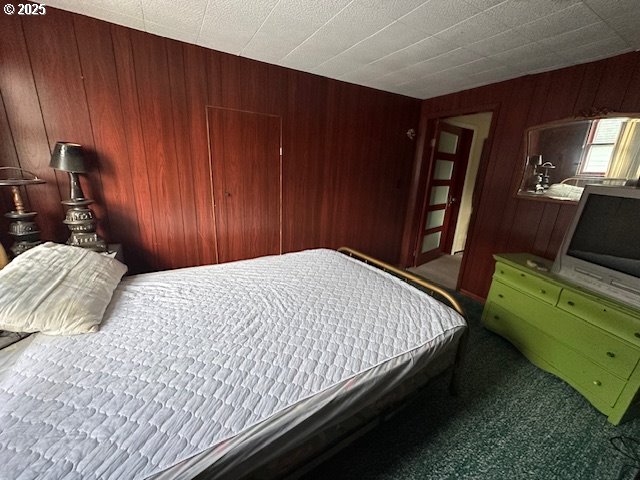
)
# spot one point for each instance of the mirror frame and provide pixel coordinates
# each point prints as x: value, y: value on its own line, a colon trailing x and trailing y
x: 592, y: 114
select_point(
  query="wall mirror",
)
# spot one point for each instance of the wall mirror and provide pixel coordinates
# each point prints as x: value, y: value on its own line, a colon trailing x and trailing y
x: 562, y: 157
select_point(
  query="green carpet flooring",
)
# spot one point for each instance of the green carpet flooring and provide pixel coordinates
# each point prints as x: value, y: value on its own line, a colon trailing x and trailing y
x: 511, y: 420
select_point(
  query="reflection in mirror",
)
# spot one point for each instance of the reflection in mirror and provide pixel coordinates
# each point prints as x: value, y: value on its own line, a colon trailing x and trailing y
x: 563, y: 157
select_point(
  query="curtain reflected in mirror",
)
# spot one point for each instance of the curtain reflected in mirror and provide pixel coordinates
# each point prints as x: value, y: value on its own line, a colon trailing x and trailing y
x: 565, y: 156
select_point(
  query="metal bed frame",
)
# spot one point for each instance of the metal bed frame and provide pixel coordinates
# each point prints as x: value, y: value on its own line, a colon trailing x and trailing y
x: 432, y: 290
x: 404, y: 275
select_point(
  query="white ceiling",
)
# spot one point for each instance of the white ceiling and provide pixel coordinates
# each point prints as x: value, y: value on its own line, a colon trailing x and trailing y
x: 414, y: 47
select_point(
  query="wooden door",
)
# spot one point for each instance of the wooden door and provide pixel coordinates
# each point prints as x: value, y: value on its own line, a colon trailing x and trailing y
x: 449, y: 158
x: 246, y: 179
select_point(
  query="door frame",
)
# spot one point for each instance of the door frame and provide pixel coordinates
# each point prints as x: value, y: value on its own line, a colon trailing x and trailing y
x: 422, y: 167
x: 465, y: 141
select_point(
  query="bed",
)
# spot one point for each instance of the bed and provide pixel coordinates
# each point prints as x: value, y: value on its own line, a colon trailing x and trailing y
x: 246, y: 369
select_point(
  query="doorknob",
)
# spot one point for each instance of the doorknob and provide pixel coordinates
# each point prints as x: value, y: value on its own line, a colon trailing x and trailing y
x: 227, y: 194
x: 452, y: 200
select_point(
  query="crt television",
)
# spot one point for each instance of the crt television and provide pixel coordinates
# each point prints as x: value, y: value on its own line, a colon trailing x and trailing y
x: 601, y: 250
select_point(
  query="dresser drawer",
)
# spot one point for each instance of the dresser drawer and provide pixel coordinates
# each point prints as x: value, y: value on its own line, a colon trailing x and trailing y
x: 527, y: 282
x: 608, y: 318
x: 615, y: 355
x: 598, y: 385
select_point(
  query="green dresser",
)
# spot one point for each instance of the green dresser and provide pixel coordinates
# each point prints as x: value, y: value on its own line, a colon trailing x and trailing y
x: 591, y: 342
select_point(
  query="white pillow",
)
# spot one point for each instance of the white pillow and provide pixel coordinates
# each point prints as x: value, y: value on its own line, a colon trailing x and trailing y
x: 57, y: 290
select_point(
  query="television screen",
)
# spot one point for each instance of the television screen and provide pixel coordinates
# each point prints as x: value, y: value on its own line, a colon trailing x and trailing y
x: 608, y: 234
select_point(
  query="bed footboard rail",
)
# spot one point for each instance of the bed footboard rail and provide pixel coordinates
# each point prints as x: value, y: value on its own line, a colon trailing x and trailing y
x: 432, y: 289
x: 406, y: 276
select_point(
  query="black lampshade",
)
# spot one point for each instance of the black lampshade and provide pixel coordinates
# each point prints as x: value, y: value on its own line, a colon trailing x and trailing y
x: 68, y: 157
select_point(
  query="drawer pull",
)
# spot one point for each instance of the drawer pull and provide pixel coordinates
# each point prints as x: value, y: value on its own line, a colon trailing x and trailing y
x: 611, y: 354
x: 500, y: 295
x: 570, y: 303
x: 501, y: 272
x: 543, y: 291
x: 496, y: 317
x: 597, y: 383
x: 637, y: 334
x: 522, y: 275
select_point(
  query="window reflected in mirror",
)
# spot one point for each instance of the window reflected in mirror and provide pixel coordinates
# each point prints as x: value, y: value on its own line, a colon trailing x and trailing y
x: 563, y: 157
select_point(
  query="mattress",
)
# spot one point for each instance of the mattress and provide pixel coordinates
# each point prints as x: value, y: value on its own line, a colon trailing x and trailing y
x: 188, y: 360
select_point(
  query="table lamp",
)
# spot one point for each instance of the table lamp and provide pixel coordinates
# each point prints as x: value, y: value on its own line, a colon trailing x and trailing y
x: 23, y: 228
x: 80, y: 219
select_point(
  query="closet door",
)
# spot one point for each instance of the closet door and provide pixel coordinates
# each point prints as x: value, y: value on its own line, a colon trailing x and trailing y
x: 246, y: 178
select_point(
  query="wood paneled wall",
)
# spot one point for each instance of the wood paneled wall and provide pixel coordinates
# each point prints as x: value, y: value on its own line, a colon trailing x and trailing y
x: 137, y: 103
x: 502, y: 223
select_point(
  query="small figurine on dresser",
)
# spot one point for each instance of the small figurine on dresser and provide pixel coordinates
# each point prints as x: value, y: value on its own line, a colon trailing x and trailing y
x: 80, y: 219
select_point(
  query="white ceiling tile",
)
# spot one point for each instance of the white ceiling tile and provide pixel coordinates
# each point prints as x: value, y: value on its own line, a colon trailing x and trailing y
x: 310, y: 55
x: 499, y: 43
x: 437, y: 15
x: 229, y: 25
x: 456, y: 57
x: 445, y: 78
x: 420, y: 51
x: 390, y: 39
x: 290, y: 23
x: 621, y: 22
x: 392, y: 8
x: 496, y: 75
x: 627, y: 27
x: 399, y: 77
x: 129, y: 16
x: 572, y: 18
x: 539, y: 63
x: 375, y: 70
x: 357, y: 76
x: 223, y: 42
x: 414, y: 72
x: 129, y: 8
x: 479, y: 26
x: 484, y: 4
x: 632, y: 36
x: 181, y: 16
x: 268, y: 48
x: 519, y: 54
x: 352, y: 25
x: 435, y: 65
x: 517, y: 12
x: 580, y: 36
x: 339, y: 66
x: 477, y: 66
x: 611, y: 8
x: 387, y: 83
x: 168, y: 32
x: 597, y: 49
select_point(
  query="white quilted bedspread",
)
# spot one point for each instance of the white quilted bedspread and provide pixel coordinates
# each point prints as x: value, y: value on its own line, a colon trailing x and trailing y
x: 188, y: 358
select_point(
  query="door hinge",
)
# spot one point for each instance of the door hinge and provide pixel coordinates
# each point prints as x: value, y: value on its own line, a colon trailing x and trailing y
x: 433, y: 142
x: 280, y: 151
